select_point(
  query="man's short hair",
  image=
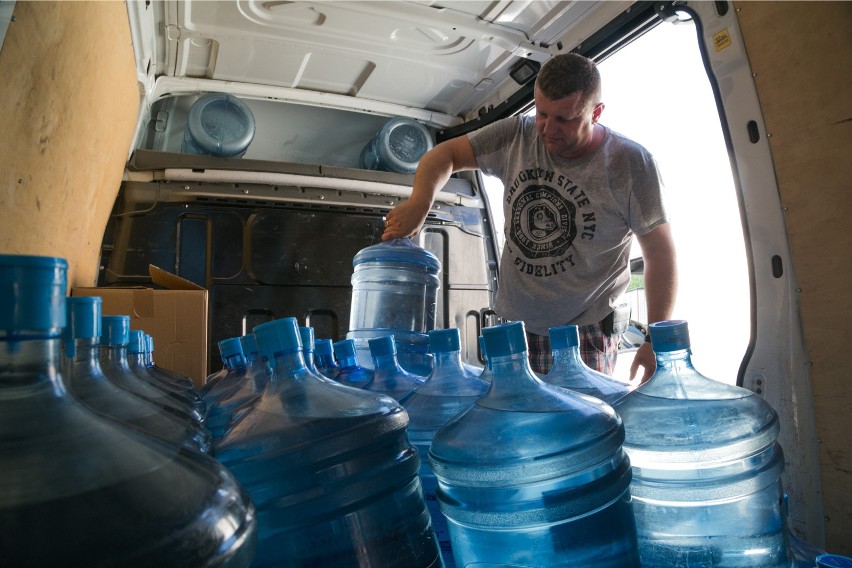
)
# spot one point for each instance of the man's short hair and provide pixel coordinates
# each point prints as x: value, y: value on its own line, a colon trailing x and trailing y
x: 568, y: 73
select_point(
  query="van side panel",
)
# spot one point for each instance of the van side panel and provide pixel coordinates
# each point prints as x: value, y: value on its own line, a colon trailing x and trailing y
x: 69, y: 101
x: 799, y: 53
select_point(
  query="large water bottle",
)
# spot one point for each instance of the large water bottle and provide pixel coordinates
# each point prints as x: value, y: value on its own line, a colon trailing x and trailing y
x: 448, y: 390
x: 136, y: 347
x: 394, y: 292
x: 218, y: 124
x: 82, y: 490
x: 351, y: 372
x: 388, y: 376
x: 397, y: 147
x: 324, y: 358
x: 706, y: 466
x: 112, y: 353
x: 86, y: 381
x: 570, y: 371
x: 166, y: 374
x: 235, y: 388
x: 330, y: 468
x: 534, y: 475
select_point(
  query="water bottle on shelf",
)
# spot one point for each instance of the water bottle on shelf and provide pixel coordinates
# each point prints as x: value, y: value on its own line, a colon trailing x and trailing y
x: 324, y: 358
x: 83, y: 490
x: 448, y: 390
x: 136, y: 346
x: 571, y: 372
x: 330, y: 468
x: 87, y: 382
x: 707, y: 466
x: 388, y: 376
x: 169, y: 376
x: 534, y: 475
x: 112, y: 353
x: 351, y: 373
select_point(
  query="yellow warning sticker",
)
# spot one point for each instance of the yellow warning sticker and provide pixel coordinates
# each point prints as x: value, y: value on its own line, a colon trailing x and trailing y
x: 722, y: 39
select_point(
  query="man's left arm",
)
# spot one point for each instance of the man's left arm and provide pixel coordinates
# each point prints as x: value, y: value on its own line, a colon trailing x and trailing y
x: 658, y: 252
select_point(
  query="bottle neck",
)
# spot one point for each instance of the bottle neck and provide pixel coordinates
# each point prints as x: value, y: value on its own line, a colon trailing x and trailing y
x: 511, y: 376
x: 348, y: 362
x: 567, y: 356
x: 113, y: 357
x: 287, y: 364
x: 674, y: 359
x: 31, y: 363
x: 387, y: 363
x: 447, y: 359
x: 86, y: 351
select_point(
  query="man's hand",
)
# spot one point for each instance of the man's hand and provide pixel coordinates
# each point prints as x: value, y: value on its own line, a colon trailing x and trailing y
x: 405, y: 220
x: 646, y: 359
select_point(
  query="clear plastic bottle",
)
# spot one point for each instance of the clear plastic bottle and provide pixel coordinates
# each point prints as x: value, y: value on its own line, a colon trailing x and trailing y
x: 534, y: 475
x: 486, y: 373
x: 112, y: 354
x: 87, y: 382
x: 706, y: 466
x: 169, y: 376
x: 351, y: 372
x: 570, y: 371
x: 388, y: 376
x: 136, y: 346
x: 448, y: 390
x: 307, y: 335
x: 330, y: 468
x: 324, y: 358
x: 82, y: 490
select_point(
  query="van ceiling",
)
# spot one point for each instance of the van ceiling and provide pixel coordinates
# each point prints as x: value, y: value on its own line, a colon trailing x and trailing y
x: 450, y: 59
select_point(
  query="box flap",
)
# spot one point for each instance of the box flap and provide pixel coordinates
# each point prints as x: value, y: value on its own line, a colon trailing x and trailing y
x: 171, y: 281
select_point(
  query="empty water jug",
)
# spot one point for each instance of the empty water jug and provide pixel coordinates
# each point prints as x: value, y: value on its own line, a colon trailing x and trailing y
x: 324, y: 358
x: 136, y: 347
x: 82, y: 490
x: 112, y: 353
x: 166, y: 374
x: 218, y: 124
x: 330, y: 467
x: 534, y: 475
x: 351, y: 373
x: 571, y: 372
x: 397, y: 147
x: 388, y: 376
x: 86, y: 381
x: 239, y: 387
x: 448, y: 390
x: 707, y: 467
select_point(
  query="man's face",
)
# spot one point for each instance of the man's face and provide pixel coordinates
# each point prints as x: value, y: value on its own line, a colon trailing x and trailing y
x: 566, y: 125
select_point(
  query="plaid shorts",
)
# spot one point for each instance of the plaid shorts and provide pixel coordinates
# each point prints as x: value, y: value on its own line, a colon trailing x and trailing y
x: 597, y: 350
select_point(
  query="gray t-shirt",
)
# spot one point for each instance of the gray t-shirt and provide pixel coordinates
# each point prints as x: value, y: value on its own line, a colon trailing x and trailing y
x: 569, y: 223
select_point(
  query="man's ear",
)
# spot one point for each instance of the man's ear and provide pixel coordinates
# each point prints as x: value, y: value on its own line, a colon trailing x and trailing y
x: 596, y: 114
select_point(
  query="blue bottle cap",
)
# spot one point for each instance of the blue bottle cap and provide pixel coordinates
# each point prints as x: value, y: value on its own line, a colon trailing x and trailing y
x: 115, y: 330
x: 278, y: 337
x: 32, y: 296
x: 398, y: 250
x: 323, y: 347
x: 307, y: 335
x: 84, y: 317
x: 382, y: 346
x: 230, y: 347
x: 136, y: 342
x: 344, y: 349
x: 444, y: 340
x: 249, y: 343
x: 564, y: 337
x: 505, y: 339
x: 671, y: 335
x: 833, y: 561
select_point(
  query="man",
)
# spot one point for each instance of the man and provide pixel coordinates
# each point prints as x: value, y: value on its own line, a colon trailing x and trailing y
x: 575, y: 193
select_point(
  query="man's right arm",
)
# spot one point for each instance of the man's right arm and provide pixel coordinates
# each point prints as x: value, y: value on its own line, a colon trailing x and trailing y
x: 434, y: 170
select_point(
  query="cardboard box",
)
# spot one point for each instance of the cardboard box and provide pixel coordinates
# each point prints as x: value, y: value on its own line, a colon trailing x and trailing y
x: 176, y: 318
